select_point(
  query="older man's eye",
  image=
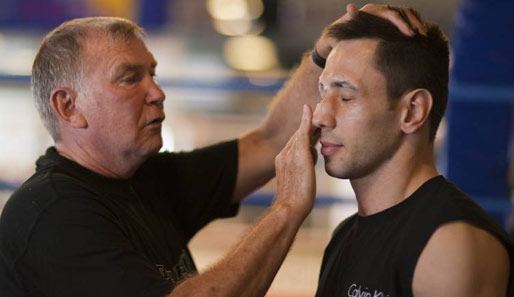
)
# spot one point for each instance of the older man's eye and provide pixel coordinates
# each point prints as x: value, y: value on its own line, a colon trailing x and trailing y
x: 345, y: 99
x: 131, y: 79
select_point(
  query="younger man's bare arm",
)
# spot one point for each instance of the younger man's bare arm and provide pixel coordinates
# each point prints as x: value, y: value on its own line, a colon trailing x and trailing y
x: 461, y: 260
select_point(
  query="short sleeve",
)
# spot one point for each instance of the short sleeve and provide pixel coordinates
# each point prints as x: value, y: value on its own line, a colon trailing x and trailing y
x: 77, y: 250
x: 196, y: 186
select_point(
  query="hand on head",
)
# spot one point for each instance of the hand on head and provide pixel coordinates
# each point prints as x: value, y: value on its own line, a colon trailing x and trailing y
x: 403, y: 18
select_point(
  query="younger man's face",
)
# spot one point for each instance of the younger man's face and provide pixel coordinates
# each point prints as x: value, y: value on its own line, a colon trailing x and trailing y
x: 359, y: 130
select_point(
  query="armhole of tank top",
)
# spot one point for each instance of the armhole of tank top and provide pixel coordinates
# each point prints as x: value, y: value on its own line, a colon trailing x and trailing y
x: 419, y: 250
x: 415, y: 253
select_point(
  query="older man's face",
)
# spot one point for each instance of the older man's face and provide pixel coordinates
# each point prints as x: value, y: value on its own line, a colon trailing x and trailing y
x: 122, y: 102
x: 359, y: 130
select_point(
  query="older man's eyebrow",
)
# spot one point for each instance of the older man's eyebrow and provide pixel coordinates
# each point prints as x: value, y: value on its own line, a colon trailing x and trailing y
x: 125, y: 68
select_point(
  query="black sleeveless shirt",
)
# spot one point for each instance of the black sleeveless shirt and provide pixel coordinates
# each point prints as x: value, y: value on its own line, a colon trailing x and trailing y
x: 375, y: 256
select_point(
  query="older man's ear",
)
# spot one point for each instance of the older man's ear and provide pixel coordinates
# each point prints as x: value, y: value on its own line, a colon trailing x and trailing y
x: 64, y: 105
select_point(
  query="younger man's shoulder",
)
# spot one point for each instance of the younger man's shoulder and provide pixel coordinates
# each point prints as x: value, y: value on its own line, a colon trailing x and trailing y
x: 462, y: 260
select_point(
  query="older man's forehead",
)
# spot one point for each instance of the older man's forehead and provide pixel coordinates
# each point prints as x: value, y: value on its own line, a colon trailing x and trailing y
x: 103, y: 39
x: 101, y: 48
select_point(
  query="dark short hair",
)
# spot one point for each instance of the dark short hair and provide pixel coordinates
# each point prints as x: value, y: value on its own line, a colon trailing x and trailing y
x: 407, y: 63
x: 58, y: 61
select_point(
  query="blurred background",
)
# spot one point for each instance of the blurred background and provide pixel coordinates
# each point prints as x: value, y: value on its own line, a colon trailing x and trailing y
x: 221, y: 62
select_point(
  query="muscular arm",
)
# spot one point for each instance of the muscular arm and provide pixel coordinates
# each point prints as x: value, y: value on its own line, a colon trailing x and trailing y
x: 250, y: 267
x: 259, y: 147
x: 461, y: 260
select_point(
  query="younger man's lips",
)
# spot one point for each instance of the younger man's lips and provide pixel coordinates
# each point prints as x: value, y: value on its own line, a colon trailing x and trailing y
x: 328, y: 148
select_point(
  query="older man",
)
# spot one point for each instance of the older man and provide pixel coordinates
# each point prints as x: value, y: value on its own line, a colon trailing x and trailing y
x: 415, y: 233
x: 106, y: 215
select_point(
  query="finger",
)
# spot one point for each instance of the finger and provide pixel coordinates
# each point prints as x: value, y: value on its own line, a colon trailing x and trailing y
x: 290, y: 144
x: 390, y: 14
x: 314, y: 154
x: 415, y: 22
x: 305, y: 131
x: 291, y: 149
x: 315, y: 135
x: 285, y: 150
x: 352, y: 10
x: 396, y: 18
x: 325, y: 44
x: 410, y: 17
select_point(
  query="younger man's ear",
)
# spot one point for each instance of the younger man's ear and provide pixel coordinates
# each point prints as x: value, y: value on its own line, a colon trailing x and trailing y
x: 416, y: 107
x: 63, y: 101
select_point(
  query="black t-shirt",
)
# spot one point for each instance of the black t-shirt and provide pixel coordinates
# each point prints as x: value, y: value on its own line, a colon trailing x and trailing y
x: 376, y: 255
x: 68, y: 231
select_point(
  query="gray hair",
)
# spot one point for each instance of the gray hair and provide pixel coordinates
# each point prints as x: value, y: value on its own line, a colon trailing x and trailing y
x: 58, y: 61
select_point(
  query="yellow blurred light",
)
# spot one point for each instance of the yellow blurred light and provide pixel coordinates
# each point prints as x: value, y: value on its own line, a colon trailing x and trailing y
x: 250, y: 53
x: 238, y: 27
x: 255, y: 8
x: 235, y: 9
x: 121, y: 8
x: 233, y: 28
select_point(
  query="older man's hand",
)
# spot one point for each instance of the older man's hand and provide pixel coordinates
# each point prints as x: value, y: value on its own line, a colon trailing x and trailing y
x: 401, y: 17
x: 294, y: 165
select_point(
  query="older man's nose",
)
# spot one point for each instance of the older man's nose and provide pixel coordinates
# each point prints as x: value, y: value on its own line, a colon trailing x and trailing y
x: 155, y: 94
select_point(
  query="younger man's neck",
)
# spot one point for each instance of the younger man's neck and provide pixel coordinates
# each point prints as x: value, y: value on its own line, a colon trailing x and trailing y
x: 393, y: 182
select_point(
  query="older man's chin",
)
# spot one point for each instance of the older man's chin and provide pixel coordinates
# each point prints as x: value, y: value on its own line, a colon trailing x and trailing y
x: 152, y: 146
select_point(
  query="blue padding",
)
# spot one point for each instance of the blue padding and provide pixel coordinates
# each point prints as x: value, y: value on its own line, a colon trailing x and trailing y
x: 265, y: 199
x: 13, y: 78
x: 484, y: 42
x: 478, y: 147
x: 153, y: 13
x: 231, y: 84
x: 235, y: 84
x: 481, y: 93
x: 498, y: 205
x: 6, y: 186
x: 39, y: 14
x: 480, y: 115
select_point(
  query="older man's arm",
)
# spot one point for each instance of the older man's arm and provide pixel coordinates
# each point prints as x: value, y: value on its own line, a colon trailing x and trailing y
x: 250, y: 267
x: 258, y: 148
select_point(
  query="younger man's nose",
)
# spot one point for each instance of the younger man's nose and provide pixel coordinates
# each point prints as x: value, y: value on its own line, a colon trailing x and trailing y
x: 322, y: 117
